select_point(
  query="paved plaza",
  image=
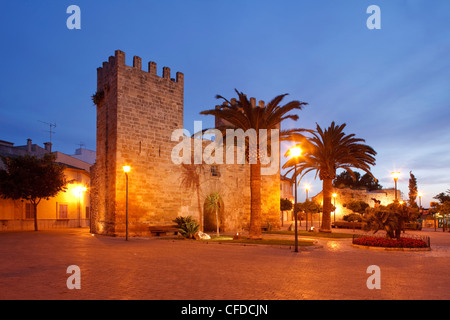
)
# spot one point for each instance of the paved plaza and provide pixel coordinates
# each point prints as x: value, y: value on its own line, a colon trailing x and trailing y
x: 33, y: 265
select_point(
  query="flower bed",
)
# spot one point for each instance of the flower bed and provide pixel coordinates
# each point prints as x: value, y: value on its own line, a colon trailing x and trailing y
x: 390, y: 243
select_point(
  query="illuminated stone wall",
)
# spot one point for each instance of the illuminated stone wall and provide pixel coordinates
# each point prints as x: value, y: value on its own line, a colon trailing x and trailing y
x: 345, y: 195
x: 137, y: 112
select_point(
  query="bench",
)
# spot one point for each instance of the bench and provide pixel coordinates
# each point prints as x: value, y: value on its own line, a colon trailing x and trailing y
x: 163, y: 230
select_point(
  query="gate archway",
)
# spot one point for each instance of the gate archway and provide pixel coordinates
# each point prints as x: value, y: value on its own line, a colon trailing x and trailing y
x: 210, y: 224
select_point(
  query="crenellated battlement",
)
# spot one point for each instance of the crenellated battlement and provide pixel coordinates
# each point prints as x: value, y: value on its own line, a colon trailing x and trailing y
x: 118, y: 60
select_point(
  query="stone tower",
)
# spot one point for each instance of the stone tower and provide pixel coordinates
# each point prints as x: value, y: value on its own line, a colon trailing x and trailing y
x: 137, y: 112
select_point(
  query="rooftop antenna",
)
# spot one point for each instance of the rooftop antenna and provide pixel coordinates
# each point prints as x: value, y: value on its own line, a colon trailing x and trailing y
x: 52, y: 125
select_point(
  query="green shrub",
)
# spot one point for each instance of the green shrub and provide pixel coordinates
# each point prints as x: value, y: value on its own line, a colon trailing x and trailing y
x: 187, y: 226
x: 357, y: 206
x: 413, y: 226
x: 353, y: 217
x: 391, y: 218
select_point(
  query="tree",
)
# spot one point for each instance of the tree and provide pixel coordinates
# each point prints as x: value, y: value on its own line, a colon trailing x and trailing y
x: 213, y: 203
x: 443, y: 207
x: 413, y: 191
x: 445, y: 211
x: 434, y: 210
x: 381, y: 218
x: 346, y: 180
x: 240, y: 114
x: 309, y: 206
x: 405, y: 214
x: 191, y: 179
x: 325, y: 152
x: 366, y: 181
x: 442, y: 197
x: 357, y: 206
x: 285, y: 205
x: 391, y: 218
x: 32, y: 179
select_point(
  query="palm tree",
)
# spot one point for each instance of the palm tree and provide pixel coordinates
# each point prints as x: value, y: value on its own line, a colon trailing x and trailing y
x: 213, y: 203
x: 242, y: 114
x: 190, y: 178
x: 325, y: 152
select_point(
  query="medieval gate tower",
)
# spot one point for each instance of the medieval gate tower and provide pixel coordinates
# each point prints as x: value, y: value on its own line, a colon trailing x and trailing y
x: 137, y: 111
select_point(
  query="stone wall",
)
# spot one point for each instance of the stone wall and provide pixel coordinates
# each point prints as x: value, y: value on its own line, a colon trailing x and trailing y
x: 136, y: 115
x: 345, y: 195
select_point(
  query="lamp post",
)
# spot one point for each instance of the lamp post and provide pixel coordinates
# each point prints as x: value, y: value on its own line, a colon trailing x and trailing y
x: 295, y: 152
x: 420, y: 201
x: 334, y: 204
x: 395, y: 175
x: 126, y: 169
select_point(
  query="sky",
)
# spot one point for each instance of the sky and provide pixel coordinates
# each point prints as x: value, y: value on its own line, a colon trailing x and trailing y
x: 390, y: 86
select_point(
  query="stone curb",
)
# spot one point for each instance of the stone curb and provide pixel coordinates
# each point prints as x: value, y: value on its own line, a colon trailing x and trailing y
x: 390, y: 249
x: 315, y: 244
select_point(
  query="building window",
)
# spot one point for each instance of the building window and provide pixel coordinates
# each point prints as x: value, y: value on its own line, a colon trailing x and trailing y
x: 30, y: 211
x: 62, y: 212
x: 215, y: 171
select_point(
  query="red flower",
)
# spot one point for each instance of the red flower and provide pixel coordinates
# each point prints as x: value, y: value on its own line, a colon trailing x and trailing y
x: 390, y: 243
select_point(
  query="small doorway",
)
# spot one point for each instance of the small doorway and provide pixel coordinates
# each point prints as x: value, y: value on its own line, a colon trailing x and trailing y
x: 210, y: 221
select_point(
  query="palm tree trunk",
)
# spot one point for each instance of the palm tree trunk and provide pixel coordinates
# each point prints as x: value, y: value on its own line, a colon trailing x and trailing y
x: 255, y: 201
x: 200, y: 211
x: 217, y: 222
x: 327, y: 195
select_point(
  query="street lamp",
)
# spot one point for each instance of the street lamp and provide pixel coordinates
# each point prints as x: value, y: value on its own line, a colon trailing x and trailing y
x: 395, y: 175
x: 126, y: 169
x: 334, y: 204
x: 295, y: 152
x: 420, y: 200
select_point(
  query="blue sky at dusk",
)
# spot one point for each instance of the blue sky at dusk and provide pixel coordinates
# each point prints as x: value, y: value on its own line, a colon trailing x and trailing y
x: 390, y: 86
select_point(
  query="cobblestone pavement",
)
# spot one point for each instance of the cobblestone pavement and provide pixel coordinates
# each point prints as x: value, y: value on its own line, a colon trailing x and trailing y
x: 33, y: 265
